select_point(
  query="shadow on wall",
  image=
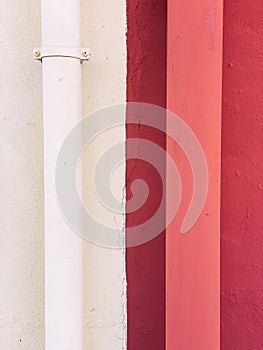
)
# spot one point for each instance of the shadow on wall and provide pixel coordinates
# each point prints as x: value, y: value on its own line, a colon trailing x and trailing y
x: 146, y: 82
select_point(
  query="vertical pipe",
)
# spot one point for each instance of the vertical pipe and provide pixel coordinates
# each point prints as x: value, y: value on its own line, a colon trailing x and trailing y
x: 194, y: 85
x: 62, y: 110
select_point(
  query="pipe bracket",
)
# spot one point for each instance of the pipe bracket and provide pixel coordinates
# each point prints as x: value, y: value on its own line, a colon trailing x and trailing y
x: 82, y: 54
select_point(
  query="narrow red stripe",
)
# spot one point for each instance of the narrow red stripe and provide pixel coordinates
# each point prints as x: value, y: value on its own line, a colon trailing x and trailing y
x: 146, y: 82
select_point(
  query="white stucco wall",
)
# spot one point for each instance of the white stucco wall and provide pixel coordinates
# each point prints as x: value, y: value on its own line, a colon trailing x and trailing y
x: 21, y: 164
x: 104, y: 84
x: 21, y: 186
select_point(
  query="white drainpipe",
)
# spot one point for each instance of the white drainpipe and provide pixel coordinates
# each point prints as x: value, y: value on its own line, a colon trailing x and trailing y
x: 61, y: 54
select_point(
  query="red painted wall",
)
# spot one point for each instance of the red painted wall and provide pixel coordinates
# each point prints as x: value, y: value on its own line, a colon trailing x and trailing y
x: 242, y: 172
x: 146, y: 82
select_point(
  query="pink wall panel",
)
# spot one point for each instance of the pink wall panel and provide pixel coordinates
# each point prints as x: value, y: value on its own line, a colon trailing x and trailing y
x: 194, y: 74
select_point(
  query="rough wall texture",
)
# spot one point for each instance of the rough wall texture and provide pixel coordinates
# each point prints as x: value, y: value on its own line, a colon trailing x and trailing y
x: 146, y: 82
x: 21, y: 187
x: 21, y: 198
x: 104, y: 84
x: 242, y: 170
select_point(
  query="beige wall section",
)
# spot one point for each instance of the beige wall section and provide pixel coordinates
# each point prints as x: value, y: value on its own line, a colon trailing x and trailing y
x: 21, y: 186
x: 104, y: 84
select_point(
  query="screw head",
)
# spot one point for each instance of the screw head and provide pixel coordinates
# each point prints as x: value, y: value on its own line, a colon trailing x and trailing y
x: 37, y: 53
x: 85, y: 53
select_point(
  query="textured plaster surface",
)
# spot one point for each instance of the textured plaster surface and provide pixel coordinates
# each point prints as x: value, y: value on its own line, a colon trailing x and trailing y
x: 21, y: 188
x: 242, y: 171
x: 21, y: 162
x: 104, y: 84
x: 146, y: 82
